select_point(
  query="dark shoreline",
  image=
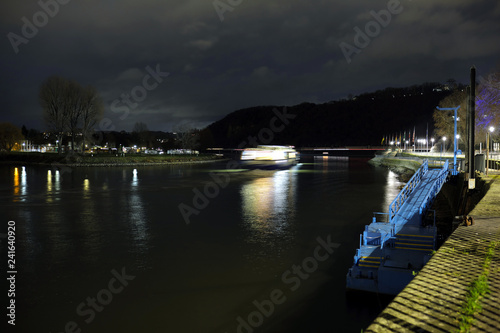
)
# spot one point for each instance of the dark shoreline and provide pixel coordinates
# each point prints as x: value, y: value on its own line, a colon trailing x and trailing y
x: 77, y: 160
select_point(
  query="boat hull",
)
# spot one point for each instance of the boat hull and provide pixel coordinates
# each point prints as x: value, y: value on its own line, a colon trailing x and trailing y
x: 269, y: 157
x: 268, y: 165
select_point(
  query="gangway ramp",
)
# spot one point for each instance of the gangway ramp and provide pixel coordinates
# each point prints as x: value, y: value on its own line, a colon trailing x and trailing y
x: 391, y: 251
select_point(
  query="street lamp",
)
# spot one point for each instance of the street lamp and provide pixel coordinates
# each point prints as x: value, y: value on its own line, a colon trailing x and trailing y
x: 444, y: 141
x: 455, y: 119
x: 421, y: 141
x: 491, y: 129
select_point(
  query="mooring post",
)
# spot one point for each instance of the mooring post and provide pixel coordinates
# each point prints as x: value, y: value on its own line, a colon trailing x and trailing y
x: 472, y: 123
x: 467, y: 138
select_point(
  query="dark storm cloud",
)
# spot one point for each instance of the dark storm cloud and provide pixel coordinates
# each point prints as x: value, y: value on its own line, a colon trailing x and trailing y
x: 263, y: 52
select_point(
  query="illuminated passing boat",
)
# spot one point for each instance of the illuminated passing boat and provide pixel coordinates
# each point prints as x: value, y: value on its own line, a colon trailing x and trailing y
x: 269, y: 157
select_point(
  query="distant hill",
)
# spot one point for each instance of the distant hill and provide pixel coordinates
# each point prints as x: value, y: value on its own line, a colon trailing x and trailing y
x: 362, y: 120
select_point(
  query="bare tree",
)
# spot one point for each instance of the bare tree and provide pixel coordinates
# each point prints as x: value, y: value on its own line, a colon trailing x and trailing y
x: 140, y: 127
x: 9, y: 136
x: 74, y: 104
x: 68, y: 106
x: 53, y: 99
x: 443, y: 120
x: 188, y: 136
x: 92, y: 112
x: 141, y: 133
x: 487, y: 109
x: 488, y: 104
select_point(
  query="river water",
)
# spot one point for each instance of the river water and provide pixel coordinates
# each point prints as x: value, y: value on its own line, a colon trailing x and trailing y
x: 191, y: 248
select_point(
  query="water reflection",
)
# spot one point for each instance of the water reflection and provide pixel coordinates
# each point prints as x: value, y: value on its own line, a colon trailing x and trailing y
x: 20, y: 185
x: 135, y: 180
x: 86, y: 188
x: 77, y: 241
x: 49, y: 181
x: 53, y: 185
x: 137, y: 213
x: 327, y: 163
x: 269, y: 204
x: 392, y: 188
x: 24, y: 183
x: 16, y: 183
x: 57, y: 179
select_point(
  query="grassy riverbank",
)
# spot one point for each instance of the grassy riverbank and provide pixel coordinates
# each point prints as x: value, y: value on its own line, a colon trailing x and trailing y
x: 404, y: 168
x: 101, y: 159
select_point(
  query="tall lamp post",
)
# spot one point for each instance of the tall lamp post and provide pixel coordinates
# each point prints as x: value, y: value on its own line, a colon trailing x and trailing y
x: 491, y: 129
x: 454, y: 172
x: 444, y: 141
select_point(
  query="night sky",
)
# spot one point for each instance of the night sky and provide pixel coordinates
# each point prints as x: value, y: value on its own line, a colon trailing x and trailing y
x: 225, y: 55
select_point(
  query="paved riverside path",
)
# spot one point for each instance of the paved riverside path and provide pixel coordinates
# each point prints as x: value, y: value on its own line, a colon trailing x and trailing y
x: 433, y: 300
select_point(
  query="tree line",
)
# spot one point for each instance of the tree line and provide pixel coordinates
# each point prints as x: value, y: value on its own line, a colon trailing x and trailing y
x: 361, y: 120
x: 70, y: 108
x: 487, y: 110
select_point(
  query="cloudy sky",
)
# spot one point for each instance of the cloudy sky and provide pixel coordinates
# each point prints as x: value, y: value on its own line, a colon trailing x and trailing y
x: 225, y: 55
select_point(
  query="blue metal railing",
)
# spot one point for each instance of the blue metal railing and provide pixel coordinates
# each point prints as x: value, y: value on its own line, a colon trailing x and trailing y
x: 385, y: 239
x: 380, y: 217
x: 435, y: 188
x: 400, y: 199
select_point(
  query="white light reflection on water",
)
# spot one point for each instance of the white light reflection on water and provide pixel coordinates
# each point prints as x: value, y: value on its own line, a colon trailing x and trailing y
x: 392, y: 188
x: 327, y: 163
x: 268, y: 205
x: 137, y: 214
x: 24, y: 184
x: 53, y: 186
x: 57, y: 179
